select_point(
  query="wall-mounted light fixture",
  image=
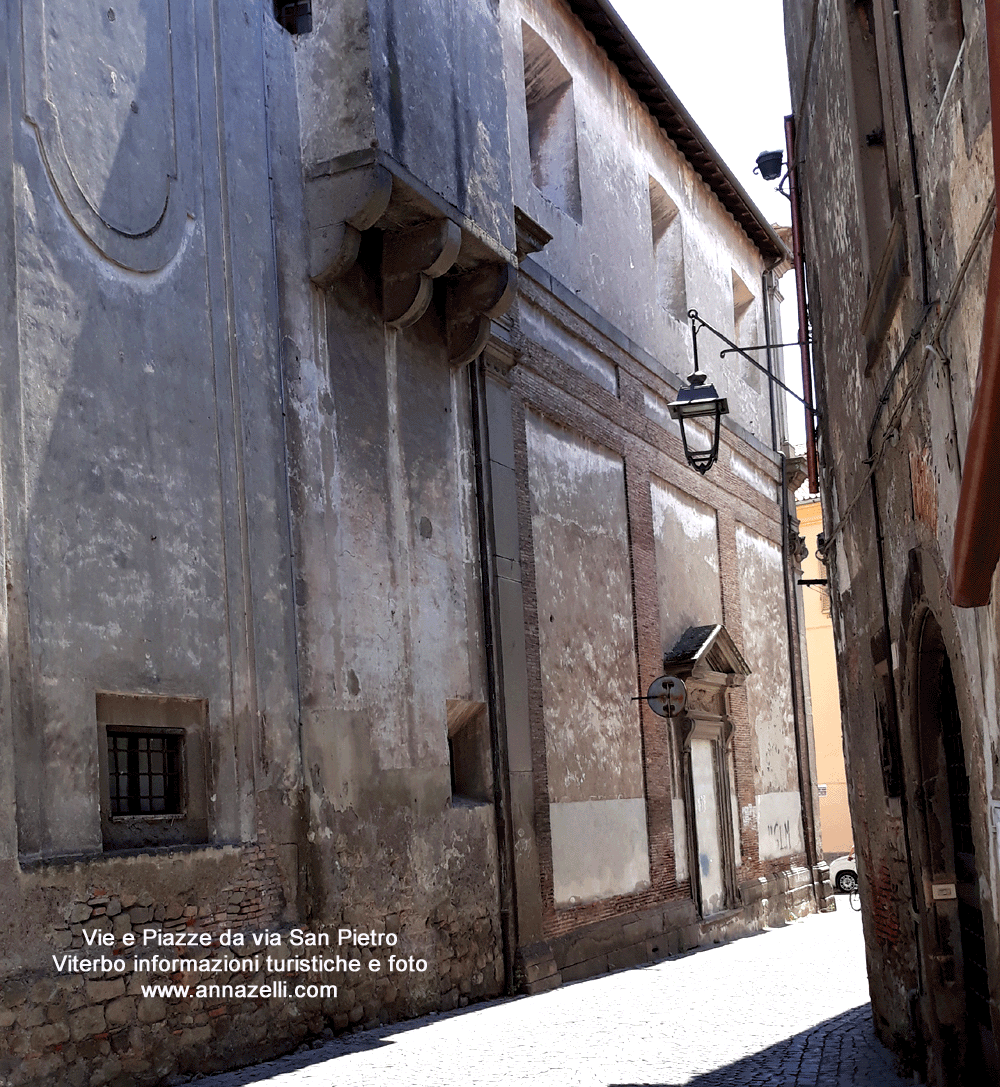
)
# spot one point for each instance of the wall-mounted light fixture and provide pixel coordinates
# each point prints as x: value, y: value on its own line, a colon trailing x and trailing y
x: 700, y: 400
x: 769, y: 164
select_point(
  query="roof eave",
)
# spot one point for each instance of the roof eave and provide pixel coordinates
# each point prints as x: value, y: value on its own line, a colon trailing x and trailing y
x: 642, y: 75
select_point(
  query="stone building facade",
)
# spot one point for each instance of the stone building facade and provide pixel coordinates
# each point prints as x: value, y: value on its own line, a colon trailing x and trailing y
x: 894, y: 156
x: 345, y: 524
x: 831, y: 774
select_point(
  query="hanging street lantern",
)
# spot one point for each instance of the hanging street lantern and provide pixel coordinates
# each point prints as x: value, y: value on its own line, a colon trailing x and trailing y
x: 699, y: 400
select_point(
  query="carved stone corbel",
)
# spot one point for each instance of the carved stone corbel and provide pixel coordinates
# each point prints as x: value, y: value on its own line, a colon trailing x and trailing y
x: 474, y: 300
x: 339, y: 207
x: 411, y: 261
x: 685, y: 731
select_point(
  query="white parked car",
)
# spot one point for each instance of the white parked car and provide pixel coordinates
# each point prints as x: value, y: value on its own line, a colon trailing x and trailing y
x: 844, y: 873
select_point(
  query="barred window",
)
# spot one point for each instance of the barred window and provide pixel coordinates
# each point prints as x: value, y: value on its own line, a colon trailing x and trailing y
x: 144, y: 772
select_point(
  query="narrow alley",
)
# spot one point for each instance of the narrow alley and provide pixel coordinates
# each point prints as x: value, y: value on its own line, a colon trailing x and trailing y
x: 787, y: 1008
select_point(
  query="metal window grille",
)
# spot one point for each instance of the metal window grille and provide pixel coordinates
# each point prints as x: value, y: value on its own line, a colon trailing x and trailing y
x: 144, y: 772
x: 295, y: 18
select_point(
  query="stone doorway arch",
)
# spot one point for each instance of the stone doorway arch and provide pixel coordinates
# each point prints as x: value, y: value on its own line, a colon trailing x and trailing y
x: 962, y: 1045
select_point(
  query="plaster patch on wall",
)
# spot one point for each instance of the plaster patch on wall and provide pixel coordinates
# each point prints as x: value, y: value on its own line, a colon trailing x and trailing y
x: 769, y: 701
x: 779, y: 824
x: 556, y: 339
x: 656, y: 409
x: 599, y: 850
x: 757, y: 479
x: 680, y: 840
x: 407, y: 592
x: 687, y: 562
x: 585, y: 630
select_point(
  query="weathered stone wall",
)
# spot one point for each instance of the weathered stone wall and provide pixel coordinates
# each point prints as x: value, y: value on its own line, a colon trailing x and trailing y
x: 389, y: 594
x: 609, y: 258
x: 73, y: 1026
x: 294, y: 521
x: 127, y: 416
x: 894, y: 157
x: 593, y: 743
x: 149, y: 400
x: 601, y: 343
x: 550, y: 386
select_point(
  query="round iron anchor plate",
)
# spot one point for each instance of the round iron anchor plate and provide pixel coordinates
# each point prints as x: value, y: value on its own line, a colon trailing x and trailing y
x: 667, y: 696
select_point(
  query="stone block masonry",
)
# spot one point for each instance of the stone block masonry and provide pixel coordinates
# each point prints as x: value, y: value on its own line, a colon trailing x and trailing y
x: 139, y: 989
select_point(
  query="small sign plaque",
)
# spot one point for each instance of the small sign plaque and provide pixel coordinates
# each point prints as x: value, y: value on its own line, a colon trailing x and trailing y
x: 941, y: 892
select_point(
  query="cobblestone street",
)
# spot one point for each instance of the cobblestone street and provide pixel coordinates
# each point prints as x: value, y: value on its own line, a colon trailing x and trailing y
x: 787, y: 1008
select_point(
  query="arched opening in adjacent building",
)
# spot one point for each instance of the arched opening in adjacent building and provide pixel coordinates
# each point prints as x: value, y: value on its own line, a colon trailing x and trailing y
x: 954, y: 944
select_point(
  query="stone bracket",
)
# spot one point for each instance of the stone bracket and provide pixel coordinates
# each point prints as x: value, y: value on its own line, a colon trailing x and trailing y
x: 424, y: 238
x: 474, y: 301
x: 411, y: 261
x: 338, y: 208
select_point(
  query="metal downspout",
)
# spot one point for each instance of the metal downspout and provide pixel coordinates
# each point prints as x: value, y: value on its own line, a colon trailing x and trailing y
x: 798, y: 687
x: 791, y: 627
x: 767, y: 294
x: 494, y: 677
x: 976, y: 547
x: 800, y: 293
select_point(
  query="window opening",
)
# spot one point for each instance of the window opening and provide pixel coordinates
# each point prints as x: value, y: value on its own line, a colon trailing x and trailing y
x: 744, y: 325
x: 548, y: 96
x: 745, y: 328
x: 469, y: 750
x: 947, y: 35
x: 668, y: 250
x: 153, y: 766
x: 295, y: 18
x: 870, y: 139
x: 144, y: 772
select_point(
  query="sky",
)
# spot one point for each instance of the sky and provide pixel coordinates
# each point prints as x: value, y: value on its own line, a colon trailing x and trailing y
x: 725, y: 60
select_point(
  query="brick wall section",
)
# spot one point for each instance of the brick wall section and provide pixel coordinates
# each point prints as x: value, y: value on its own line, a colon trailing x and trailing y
x: 545, y: 384
x: 884, y: 907
x: 88, y: 1030
x: 659, y: 757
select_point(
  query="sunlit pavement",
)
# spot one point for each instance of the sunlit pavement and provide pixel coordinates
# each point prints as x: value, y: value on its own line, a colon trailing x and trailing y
x: 787, y: 1008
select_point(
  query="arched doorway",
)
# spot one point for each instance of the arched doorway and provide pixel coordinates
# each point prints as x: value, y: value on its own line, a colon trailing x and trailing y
x: 954, y: 944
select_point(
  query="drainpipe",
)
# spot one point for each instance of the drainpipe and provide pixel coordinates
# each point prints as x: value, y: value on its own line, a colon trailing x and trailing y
x: 800, y: 292
x: 976, y: 547
x: 494, y: 676
x: 791, y: 626
x: 798, y: 687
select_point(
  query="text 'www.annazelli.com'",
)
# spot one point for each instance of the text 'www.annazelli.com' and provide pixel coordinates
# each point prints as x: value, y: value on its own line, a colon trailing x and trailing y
x: 272, y: 990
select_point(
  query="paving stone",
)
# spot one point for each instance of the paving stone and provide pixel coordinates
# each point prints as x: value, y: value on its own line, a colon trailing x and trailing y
x: 787, y: 1008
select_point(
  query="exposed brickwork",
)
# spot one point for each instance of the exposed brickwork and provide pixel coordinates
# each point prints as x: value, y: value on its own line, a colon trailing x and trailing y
x: 884, y: 907
x: 546, y: 385
x: 98, y: 1028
